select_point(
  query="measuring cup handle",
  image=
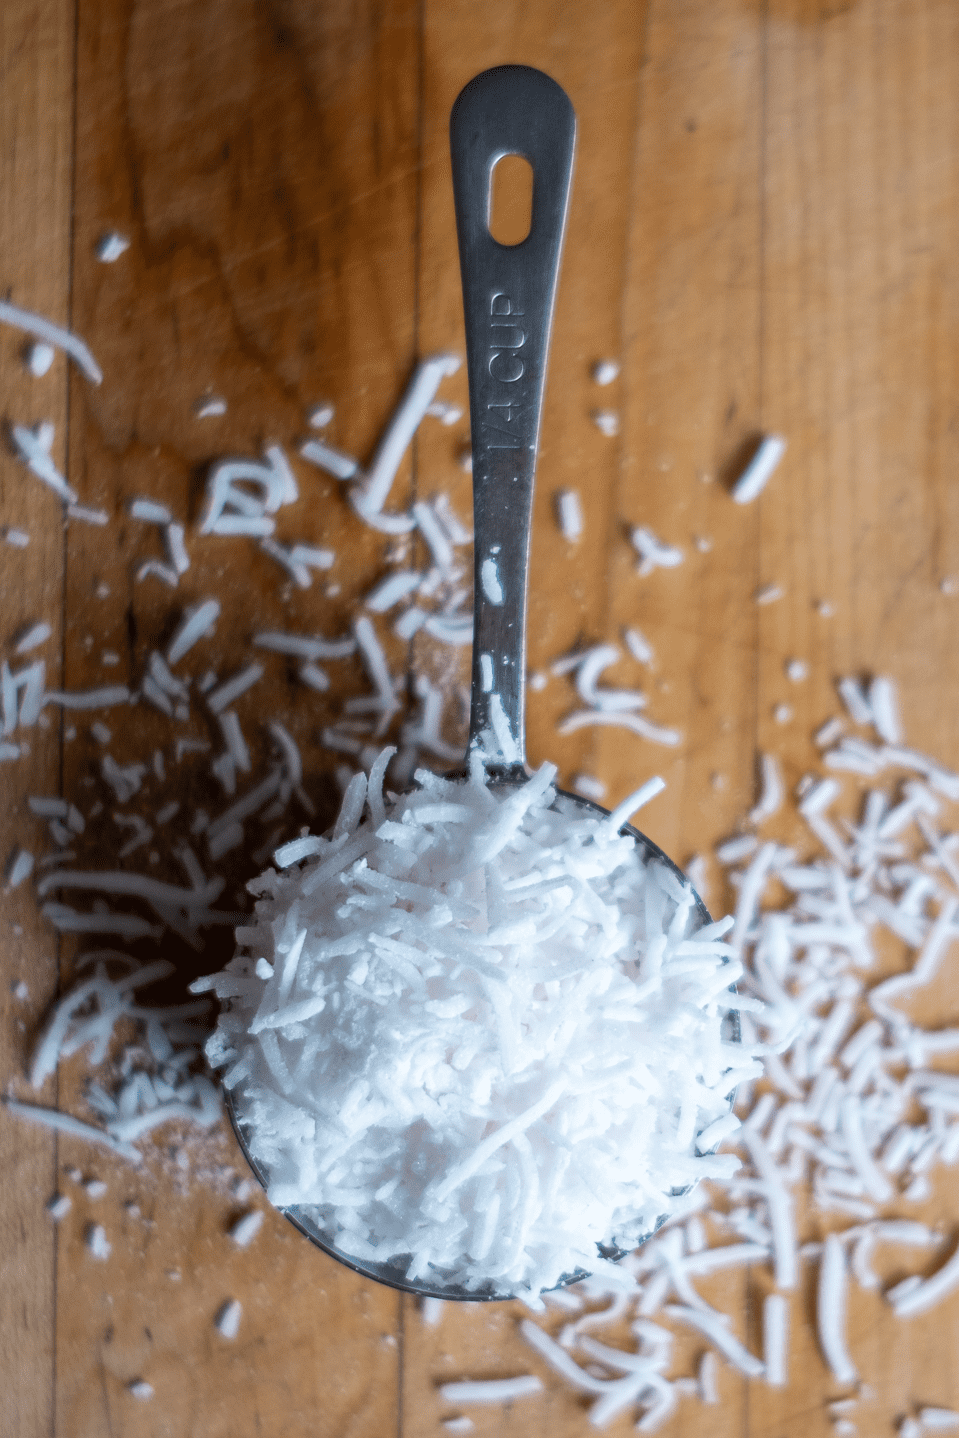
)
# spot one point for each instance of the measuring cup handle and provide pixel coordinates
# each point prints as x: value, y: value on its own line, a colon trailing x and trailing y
x: 508, y: 296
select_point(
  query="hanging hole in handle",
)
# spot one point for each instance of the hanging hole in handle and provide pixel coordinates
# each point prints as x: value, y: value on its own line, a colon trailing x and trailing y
x: 511, y: 199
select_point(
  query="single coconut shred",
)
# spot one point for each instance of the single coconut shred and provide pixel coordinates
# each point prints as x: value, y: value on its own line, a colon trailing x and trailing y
x: 471, y: 1033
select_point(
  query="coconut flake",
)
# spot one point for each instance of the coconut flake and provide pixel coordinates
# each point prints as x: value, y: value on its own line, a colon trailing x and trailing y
x: 829, y: 732
x: 492, y: 1390
x: 605, y: 371
x: 33, y: 636
x: 166, y: 572
x: 653, y: 553
x: 209, y: 406
x: 34, y: 446
x: 110, y: 246
x: 831, y: 1311
x: 876, y: 1184
x: 448, y: 628
x: 230, y: 690
x: 853, y: 696
x: 372, y: 491
x: 59, y: 1206
x: 923, y: 1295
x: 635, y: 801
x: 606, y: 421
x: 589, y: 786
x: 196, y: 624
x: 885, y: 710
x: 772, y: 790
x: 38, y: 358
x: 939, y: 1420
x: 19, y: 868
x: 374, y: 660
x: 87, y: 515
x: 712, y: 1327
x: 781, y: 1214
x: 150, y: 511
x: 708, y: 1377
x: 590, y: 718
x: 97, y: 1242
x: 569, y: 515
x: 489, y: 580
x: 435, y: 535
x: 245, y: 1229
x: 732, y: 851
x: 307, y: 647
x: 174, y: 536
x: 227, y: 1320
x: 103, y: 698
x: 638, y: 646
x: 589, y: 669
x: 776, y: 1339
x: 234, y: 510
x: 51, y: 334
x: 391, y: 590
x: 759, y: 470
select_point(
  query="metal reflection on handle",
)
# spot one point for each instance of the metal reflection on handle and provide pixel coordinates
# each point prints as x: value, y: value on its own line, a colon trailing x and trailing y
x: 508, y: 297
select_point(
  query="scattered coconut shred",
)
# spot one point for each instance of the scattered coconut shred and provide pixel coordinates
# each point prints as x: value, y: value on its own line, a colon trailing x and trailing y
x: 475, y: 1036
x: 856, y: 1109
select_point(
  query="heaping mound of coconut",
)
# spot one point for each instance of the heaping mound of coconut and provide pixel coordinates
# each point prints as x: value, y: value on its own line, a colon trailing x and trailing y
x: 472, y: 1033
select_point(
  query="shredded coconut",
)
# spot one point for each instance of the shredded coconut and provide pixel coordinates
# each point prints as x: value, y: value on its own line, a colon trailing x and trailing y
x: 605, y: 371
x: 246, y: 1228
x: 210, y: 406
x: 231, y: 506
x: 195, y: 625
x: 227, y: 1320
x: 638, y: 646
x: 38, y: 358
x: 51, y: 334
x: 653, y: 553
x: 587, y: 718
x: 489, y: 579
x: 372, y: 491
x: 59, y: 1206
x: 569, y: 514
x: 97, y: 1242
x: 482, y: 1019
x: 111, y: 246
x: 491, y: 1390
x: 325, y: 457
x: 776, y: 1339
x: 606, y: 421
x: 759, y: 470
x: 19, y: 868
x: 831, y: 1311
x: 34, y: 447
x: 939, y: 1420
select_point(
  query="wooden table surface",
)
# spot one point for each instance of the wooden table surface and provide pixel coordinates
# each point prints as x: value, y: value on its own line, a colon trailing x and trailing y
x: 763, y: 234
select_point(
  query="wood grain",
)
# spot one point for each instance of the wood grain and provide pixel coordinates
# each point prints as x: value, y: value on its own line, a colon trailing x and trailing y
x: 36, y: 177
x: 762, y: 234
